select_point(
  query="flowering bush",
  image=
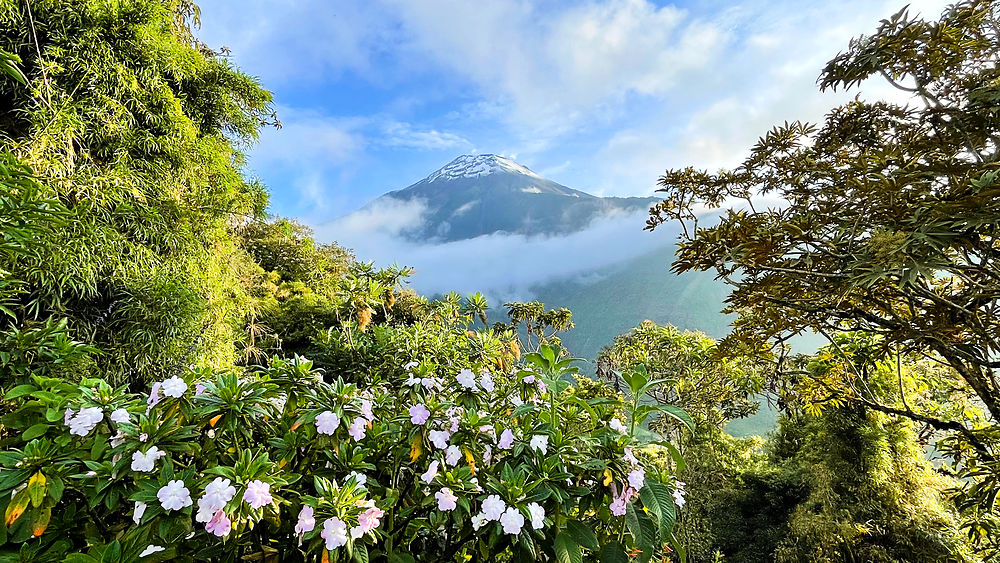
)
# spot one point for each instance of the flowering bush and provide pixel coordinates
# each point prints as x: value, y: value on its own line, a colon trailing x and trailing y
x: 278, y: 463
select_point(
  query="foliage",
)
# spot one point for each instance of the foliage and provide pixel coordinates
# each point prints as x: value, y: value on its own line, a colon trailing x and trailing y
x: 136, y: 131
x: 347, y: 452
x: 888, y: 225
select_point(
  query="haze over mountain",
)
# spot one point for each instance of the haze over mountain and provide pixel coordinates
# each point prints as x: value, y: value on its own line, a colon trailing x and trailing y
x: 476, y: 195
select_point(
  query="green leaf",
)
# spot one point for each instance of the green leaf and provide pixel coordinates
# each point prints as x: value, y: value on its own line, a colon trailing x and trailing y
x: 360, y: 553
x: 35, y: 431
x: 679, y: 414
x: 583, y: 534
x: 567, y: 550
x: 613, y: 553
x: 659, y: 500
x: 80, y: 558
x: 112, y: 553
x: 19, y: 391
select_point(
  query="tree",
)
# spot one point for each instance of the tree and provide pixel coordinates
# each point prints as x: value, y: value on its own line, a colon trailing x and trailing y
x: 888, y: 224
x: 137, y: 130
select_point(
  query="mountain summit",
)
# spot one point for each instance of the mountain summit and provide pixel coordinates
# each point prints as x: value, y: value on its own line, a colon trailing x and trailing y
x: 476, y: 195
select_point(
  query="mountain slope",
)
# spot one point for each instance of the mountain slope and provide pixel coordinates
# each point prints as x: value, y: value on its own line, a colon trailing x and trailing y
x: 475, y: 195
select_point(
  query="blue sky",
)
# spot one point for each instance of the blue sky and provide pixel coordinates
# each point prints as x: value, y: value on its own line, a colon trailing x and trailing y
x: 599, y: 95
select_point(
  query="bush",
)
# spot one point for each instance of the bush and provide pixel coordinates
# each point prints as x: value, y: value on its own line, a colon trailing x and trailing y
x: 421, y: 464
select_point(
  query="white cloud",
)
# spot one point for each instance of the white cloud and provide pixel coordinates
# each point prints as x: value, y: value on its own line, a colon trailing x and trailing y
x: 500, y: 266
x: 400, y: 134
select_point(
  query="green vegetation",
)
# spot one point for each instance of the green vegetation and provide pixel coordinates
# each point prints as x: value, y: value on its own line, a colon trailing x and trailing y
x: 158, y: 403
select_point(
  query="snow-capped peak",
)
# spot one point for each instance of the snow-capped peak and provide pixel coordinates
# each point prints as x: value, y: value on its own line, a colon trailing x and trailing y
x: 474, y: 166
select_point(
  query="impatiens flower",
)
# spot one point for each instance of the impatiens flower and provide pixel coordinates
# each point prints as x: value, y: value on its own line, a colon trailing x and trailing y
x: 439, y: 438
x: 419, y: 414
x: 217, y: 494
x: 199, y: 388
x: 306, y: 521
x: 327, y: 422
x: 151, y: 549
x: 140, y: 509
x: 466, y: 379
x: 539, y: 442
x: 636, y: 478
x: 512, y: 521
x: 84, y: 421
x: 453, y: 454
x: 506, y: 439
x: 486, y: 382
x: 220, y: 524
x: 516, y: 401
x: 542, y: 388
x: 679, y: 494
x: 369, y: 519
x: 618, y: 506
x: 446, y: 499
x: 366, y: 410
x: 258, y: 493
x: 154, y: 394
x: 174, y: 495
x: 629, y: 457
x: 537, y: 515
x: 335, y: 533
x: 529, y: 379
x: 173, y: 387
x: 431, y: 473
x: 357, y: 428
x: 119, y: 416
x: 410, y: 365
x: 477, y: 521
x: 144, y: 462
x: 68, y: 416
x: 493, y: 507
x: 359, y: 478
x: 617, y: 425
x: 487, y: 454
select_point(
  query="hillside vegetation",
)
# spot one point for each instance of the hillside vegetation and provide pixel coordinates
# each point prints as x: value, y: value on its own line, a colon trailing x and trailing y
x: 187, y: 379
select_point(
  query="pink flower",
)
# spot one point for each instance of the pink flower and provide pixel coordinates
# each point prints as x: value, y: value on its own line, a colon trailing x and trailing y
x: 369, y: 519
x: 617, y: 426
x: 486, y: 382
x: 446, y: 499
x: 493, y: 507
x: 506, y: 440
x: 306, y: 521
x: 366, y: 410
x: 419, y: 414
x: 357, y: 428
x: 512, y: 521
x: 618, y: 506
x: 327, y: 423
x: 154, y: 394
x: 630, y: 457
x: 258, y: 493
x: 453, y: 454
x: 199, y: 388
x: 637, y: 478
x: 220, y: 524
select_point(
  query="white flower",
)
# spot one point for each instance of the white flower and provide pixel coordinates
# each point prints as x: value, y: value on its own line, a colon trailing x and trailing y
x: 359, y: 478
x: 173, y: 387
x: 151, y: 549
x: 174, y: 495
x: 512, y: 521
x: 453, y: 454
x: 439, y: 438
x: 67, y: 416
x: 629, y: 457
x: 431, y: 473
x: 540, y: 442
x: 411, y: 381
x: 140, y: 509
x: 84, y: 421
x: 466, y: 379
x: 506, y: 439
x: 487, y: 454
x: 486, y: 382
x: 217, y: 494
x: 617, y: 425
x: 410, y: 365
x: 516, y: 400
x: 119, y: 416
x: 446, y: 499
x: 636, y: 478
x: 357, y: 428
x: 478, y: 520
x: 529, y: 379
x: 154, y: 395
x: 493, y: 507
x: 366, y: 410
x: 258, y: 493
x: 537, y: 515
x: 335, y: 533
x: 327, y: 422
x: 144, y: 462
x: 679, y: 494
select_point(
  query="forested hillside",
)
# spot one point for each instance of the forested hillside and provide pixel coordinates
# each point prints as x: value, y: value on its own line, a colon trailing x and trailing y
x: 186, y: 378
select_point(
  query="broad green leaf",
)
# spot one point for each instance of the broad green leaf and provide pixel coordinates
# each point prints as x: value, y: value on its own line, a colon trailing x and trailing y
x: 613, y: 553
x: 583, y: 534
x: 567, y: 550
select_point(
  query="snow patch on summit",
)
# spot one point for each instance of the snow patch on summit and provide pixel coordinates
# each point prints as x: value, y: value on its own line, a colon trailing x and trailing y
x: 474, y: 166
